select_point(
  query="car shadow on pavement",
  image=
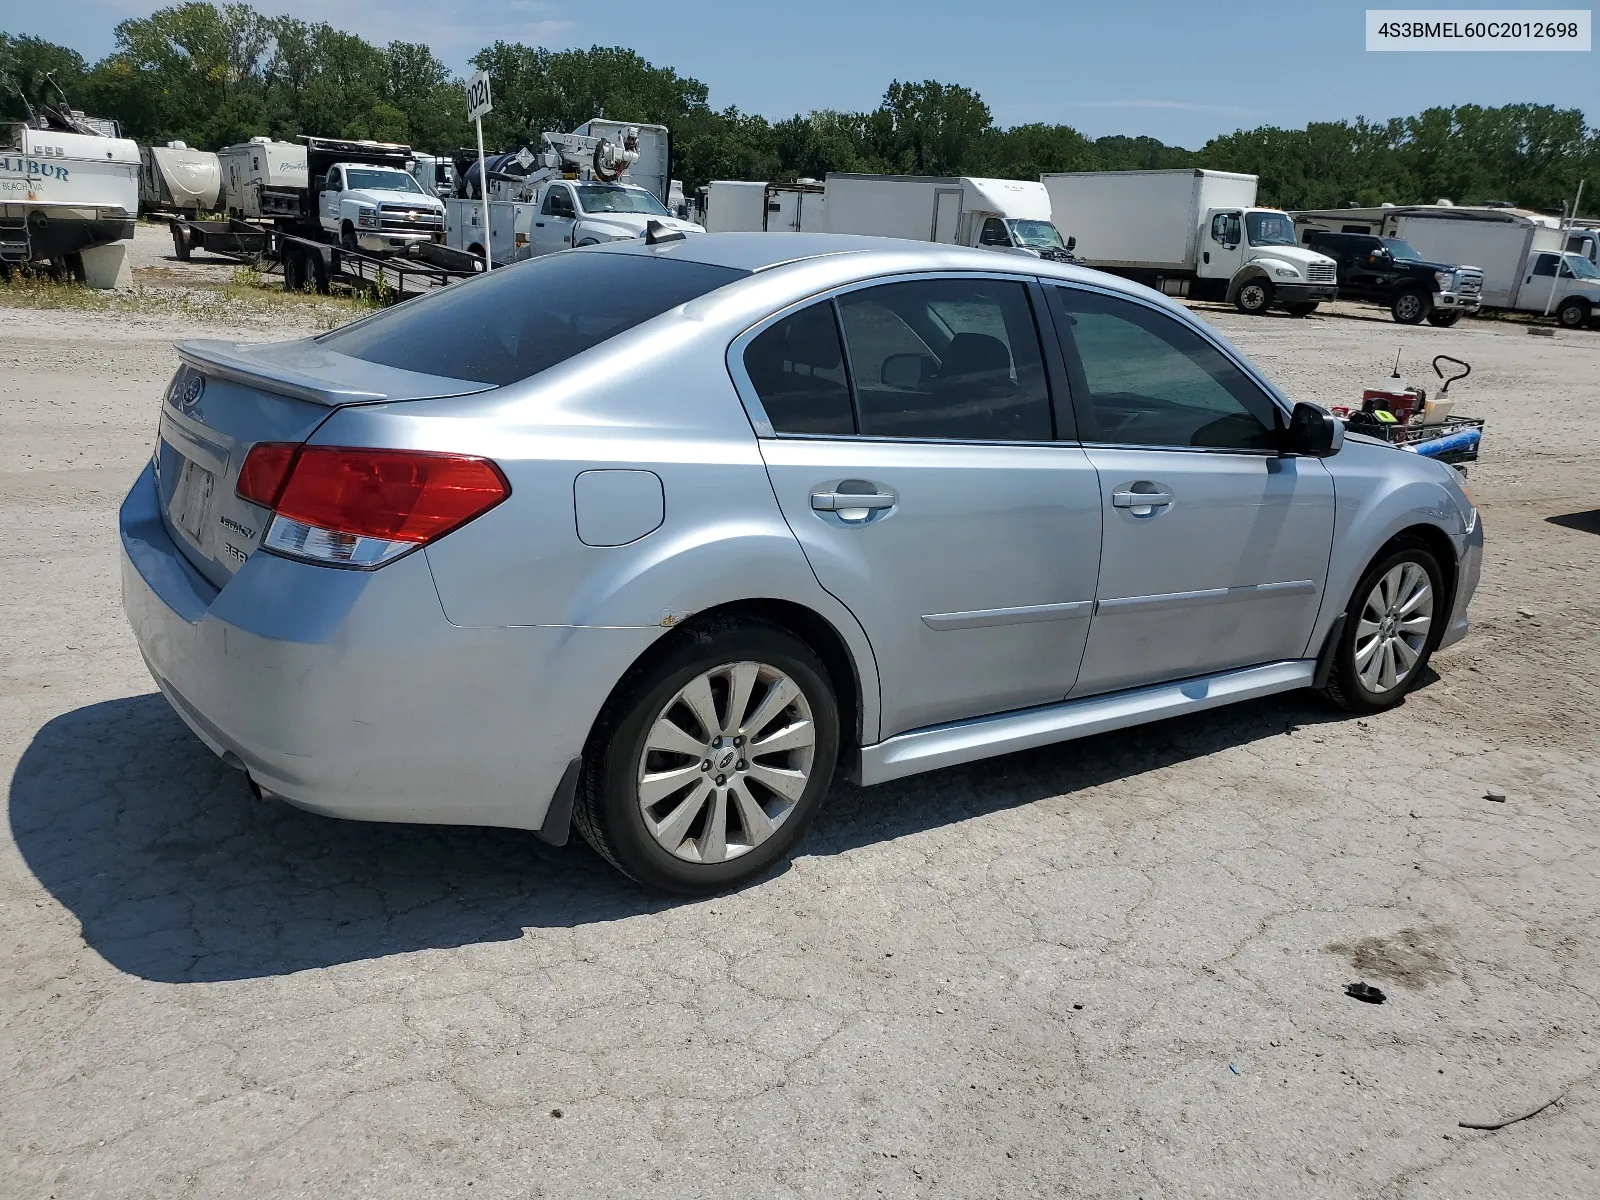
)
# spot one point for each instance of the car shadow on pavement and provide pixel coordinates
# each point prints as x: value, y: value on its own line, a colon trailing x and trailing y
x: 1584, y: 522
x: 176, y: 874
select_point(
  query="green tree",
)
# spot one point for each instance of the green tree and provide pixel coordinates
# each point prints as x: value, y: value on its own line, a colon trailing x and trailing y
x: 25, y: 63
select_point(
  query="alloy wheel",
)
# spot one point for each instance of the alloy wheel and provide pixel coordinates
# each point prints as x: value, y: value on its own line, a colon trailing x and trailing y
x: 1394, y: 626
x: 726, y: 761
x: 1408, y: 308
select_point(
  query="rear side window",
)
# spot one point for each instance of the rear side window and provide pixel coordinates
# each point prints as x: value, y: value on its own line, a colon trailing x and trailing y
x: 523, y: 319
x: 797, y: 367
x: 955, y: 359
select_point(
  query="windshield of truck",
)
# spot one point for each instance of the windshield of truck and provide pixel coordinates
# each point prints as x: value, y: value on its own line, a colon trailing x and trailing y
x: 1580, y: 266
x: 1041, y: 235
x: 379, y: 179
x: 1269, y: 229
x: 1402, y: 249
x: 614, y: 198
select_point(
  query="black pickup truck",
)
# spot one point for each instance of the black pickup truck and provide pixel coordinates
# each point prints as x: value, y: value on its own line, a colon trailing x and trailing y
x: 1388, y: 271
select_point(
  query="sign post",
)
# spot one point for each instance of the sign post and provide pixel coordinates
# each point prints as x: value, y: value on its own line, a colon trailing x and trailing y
x: 478, y: 105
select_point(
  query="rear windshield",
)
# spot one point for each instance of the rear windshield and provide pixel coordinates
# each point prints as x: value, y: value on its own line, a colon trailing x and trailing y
x: 519, y: 320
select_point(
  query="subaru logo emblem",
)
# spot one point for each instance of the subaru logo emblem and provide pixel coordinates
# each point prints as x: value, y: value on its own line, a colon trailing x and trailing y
x: 187, y: 391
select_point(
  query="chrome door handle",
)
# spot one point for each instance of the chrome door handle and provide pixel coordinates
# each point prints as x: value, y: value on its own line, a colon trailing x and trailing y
x: 1141, y: 499
x: 834, y: 501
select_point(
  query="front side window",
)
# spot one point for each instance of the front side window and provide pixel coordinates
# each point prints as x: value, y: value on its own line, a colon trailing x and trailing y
x: 1225, y: 229
x: 520, y: 320
x: 797, y: 368
x: 557, y: 203
x: 1142, y: 378
x: 994, y: 233
x: 947, y: 358
x: 1545, y: 265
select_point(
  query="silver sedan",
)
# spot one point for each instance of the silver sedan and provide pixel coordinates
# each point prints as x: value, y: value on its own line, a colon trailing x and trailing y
x: 651, y: 539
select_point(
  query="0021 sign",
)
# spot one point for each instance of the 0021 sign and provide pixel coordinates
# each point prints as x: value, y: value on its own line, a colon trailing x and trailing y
x: 478, y: 103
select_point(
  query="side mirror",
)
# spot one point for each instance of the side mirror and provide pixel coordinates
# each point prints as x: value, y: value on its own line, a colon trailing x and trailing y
x: 906, y: 372
x: 1313, y: 431
x: 1072, y: 244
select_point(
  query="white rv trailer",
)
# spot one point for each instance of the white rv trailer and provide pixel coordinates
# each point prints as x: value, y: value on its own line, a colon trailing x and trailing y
x: 261, y: 163
x: 175, y: 178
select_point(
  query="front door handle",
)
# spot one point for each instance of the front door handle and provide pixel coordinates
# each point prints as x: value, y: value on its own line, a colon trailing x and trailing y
x: 1141, y: 499
x: 835, y: 501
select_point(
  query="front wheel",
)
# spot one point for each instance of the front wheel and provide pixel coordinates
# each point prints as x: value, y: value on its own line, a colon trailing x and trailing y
x: 1254, y: 297
x: 1573, y: 314
x: 347, y: 239
x: 1443, y: 320
x: 708, y: 763
x: 1389, y: 629
x: 1410, y: 307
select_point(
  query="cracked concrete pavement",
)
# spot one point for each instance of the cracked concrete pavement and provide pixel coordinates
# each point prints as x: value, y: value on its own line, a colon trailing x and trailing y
x: 1110, y: 968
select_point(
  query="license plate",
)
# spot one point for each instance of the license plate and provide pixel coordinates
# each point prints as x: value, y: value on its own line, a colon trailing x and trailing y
x: 191, y: 500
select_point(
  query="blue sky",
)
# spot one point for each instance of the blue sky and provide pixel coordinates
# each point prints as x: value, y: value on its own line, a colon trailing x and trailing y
x: 1178, y: 71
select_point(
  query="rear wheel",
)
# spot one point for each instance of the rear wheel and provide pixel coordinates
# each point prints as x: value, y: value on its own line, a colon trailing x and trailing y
x: 294, y: 269
x: 1443, y: 320
x: 1411, y: 306
x: 709, y: 762
x: 180, y: 243
x: 1302, y: 309
x: 1573, y: 313
x: 1254, y: 297
x: 1390, y: 629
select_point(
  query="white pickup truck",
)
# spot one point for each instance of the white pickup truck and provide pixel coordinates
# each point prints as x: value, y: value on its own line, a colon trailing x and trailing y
x: 377, y: 208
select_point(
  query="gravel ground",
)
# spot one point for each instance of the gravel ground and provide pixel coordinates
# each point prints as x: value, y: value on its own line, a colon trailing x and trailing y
x: 1111, y: 968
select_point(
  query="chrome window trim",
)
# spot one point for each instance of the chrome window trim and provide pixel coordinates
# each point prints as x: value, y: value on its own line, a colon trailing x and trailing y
x: 757, y: 413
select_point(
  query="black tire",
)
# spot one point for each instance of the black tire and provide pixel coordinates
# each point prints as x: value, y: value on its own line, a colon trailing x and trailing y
x: 1411, y: 307
x: 294, y: 269
x: 1573, y: 313
x: 347, y: 239
x: 1443, y: 320
x: 180, y: 243
x: 1345, y: 686
x: 1254, y: 296
x: 1302, y: 309
x: 607, y: 811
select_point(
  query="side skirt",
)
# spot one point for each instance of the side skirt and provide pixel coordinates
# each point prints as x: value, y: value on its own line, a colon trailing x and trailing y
x: 982, y: 737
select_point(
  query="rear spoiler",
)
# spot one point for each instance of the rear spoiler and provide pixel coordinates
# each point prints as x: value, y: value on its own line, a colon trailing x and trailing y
x: 305, y: 371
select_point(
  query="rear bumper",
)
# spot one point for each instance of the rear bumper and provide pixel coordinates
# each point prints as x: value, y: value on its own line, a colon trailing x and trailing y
x: 349, y: 693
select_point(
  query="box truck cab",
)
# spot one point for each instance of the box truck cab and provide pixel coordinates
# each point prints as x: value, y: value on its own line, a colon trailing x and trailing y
x: 1191, y: 233
x: 1008, y: 215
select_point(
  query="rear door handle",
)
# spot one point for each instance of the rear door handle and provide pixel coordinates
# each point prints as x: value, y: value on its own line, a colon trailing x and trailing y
x: 1141, y: 499
x: 834, y: 501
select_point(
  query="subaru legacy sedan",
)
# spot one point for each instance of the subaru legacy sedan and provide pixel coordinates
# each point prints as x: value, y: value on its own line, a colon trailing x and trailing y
x: 652, y: 538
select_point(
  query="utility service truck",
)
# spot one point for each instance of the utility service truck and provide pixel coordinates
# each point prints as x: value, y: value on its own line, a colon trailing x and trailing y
x: 69, y: 195
x: 1009, y: 215
x: 173, y: 178
x: 1191, y: 233
x: 1530, y: 262
x: 577, y: 189
x: 736, y: 206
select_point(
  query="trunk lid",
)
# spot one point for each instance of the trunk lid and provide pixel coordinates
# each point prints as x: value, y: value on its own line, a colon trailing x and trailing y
x: 227, y: 397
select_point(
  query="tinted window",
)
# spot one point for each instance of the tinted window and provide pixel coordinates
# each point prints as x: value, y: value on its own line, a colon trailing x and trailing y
x: 557, y: 203
x: 1545, y: 264
x: 1142, y: 378
x: 947, y: 358
x: 519, y: 320
x: 797, y: 368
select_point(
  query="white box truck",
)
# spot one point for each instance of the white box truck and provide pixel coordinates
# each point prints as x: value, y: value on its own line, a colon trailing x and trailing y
x: 1516, y: 250
x: 737, y: 206
x: 1191, y: 233
x: 1009, y: 215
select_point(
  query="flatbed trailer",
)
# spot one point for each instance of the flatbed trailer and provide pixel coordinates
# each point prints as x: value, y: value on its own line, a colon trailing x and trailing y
x: 309, y: 264
x: 231, y: 238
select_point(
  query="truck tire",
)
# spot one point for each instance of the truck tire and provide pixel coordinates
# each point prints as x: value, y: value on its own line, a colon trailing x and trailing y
x: 180, y: 243
x: 1254, y: 296
x: 1411, y: 306
x: 1443, y: 320
x: 347, y: 238
x: 1573, y: 313
x: 1304, y: 309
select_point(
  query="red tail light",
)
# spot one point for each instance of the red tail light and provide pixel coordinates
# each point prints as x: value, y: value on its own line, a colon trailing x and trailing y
x: 360, y: 507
